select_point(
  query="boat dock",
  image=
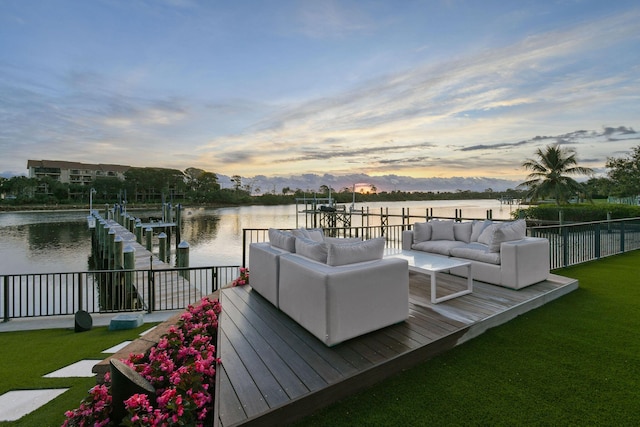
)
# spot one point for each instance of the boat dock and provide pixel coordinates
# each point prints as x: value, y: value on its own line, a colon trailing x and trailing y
x: 176, y: 288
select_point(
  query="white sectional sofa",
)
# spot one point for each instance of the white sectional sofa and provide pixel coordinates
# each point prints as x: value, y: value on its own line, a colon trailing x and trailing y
x: 500, y: 252
x: 337, y: 289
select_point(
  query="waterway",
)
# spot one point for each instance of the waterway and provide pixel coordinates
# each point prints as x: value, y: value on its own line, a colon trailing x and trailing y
x: 59, y: 241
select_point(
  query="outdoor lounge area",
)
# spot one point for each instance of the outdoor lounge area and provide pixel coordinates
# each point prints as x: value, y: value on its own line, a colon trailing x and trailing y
x: 274, y: 371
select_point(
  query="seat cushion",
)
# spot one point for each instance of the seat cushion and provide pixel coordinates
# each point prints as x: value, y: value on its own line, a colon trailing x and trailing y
x: 442, y: 247
x: 476, y: 252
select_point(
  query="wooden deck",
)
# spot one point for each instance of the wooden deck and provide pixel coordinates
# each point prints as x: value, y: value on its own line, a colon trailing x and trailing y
x: 274, y: 372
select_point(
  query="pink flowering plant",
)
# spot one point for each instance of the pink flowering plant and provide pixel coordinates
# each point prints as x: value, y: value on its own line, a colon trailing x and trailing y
x: 243, y: 279
x: 181, y: 368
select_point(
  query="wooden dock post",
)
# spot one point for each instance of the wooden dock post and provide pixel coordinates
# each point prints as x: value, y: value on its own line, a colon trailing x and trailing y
x: 111, y: 248
x: 138, y: 232
x: 149, y: 236
x: 129, y: 256
x: 162, y: 239
x: 182, y: 258
x: 118, y: 255
x: 178, y: 223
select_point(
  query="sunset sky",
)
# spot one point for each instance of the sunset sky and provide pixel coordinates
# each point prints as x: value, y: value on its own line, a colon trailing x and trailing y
x: 451, y: 88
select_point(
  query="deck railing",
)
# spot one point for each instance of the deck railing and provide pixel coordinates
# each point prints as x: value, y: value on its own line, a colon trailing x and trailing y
x: 52, y: 294
x: 587, y: 241
x: 569, y: 243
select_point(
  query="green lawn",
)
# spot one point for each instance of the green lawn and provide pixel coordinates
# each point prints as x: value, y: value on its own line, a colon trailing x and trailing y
x: 26, y: 356
x: 575, y: 361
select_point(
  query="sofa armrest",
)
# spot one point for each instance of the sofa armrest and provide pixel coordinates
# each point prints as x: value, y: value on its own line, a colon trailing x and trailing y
x: 407, y: 239
x: 265, y: 268
x: 524, y: 262
x: 342, y: 302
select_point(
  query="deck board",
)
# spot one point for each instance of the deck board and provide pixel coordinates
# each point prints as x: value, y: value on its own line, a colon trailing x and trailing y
x: 274, y: 372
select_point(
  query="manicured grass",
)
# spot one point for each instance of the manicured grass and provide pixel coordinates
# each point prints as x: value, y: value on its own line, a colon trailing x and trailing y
x: 26, y: 356
x: 575, y: 361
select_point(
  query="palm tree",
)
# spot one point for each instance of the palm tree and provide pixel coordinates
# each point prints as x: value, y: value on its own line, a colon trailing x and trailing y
x: 549, y: 176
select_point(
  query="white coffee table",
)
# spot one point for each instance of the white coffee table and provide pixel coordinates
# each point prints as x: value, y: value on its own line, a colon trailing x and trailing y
x: 423, y: 262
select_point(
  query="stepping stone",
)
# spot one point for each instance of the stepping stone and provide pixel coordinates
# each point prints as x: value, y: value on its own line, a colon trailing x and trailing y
x: 126, y: 321
x: 118, y: 347
x: 79, y: 369
x: 18, y: 403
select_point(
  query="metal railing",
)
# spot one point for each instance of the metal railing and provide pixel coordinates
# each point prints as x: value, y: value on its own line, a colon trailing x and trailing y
x: 52, y: 294
x: 569, y: 243
x: 577, y: 243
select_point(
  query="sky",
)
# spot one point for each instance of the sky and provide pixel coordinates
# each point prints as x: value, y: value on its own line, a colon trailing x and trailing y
x: 417, y: 88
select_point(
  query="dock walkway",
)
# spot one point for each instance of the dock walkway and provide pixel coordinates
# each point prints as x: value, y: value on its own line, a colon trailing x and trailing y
x: 176, y: 290
x: 274, y: 372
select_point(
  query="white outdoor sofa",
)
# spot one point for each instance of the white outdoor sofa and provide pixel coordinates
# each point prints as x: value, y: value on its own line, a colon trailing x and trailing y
x: 336, y: 291
x: 499, y: 252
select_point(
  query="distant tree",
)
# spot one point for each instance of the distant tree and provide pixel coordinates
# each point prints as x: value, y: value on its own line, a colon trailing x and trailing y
x: 625, y: 173
x: 237, y: 182
x: 550, y: 174
x: 599, y: 187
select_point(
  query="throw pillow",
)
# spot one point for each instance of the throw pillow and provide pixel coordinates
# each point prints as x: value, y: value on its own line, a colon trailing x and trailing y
x: 316, y: 234
x: 301, y: 232
x: 486, y: 237
x: 477, y: 228
x: 508, y: 232
x: 421, y: 232
x: 462, y: 231
x: 282, y: 240
x: 341, y: 240
x: 442, y: 230
x: 368, y: 250
x: 316, y: 251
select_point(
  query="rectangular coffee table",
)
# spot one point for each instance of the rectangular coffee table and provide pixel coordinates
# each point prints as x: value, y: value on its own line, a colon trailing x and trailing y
x: 423, y: 262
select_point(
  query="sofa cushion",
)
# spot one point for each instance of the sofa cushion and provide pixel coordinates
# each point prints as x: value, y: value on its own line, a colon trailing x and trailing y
x: 316, y: 251
x: 342, y: 240
x: 462, y: 231
x: 367, y: 250
x: 477, y: 228
x: 442, y: 230
x: 508, y: 232
x: 421, y: 232
x: 300, y: 232
x: 442, y: 247
x: 282, y: 239
x: 316, y: 234
x: 486, y: 237
x: 476, y: 252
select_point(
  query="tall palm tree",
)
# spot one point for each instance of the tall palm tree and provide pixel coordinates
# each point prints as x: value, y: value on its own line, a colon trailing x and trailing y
x: 549, y: 176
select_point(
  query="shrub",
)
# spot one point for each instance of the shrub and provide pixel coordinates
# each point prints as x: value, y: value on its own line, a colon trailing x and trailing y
x: 181, y: 367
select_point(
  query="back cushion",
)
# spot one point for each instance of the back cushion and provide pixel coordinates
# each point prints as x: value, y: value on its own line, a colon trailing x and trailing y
x: 442, y: 230
x: 367, y: 250
x: 316, y: 251
x: 462, y: 231
x: 477, y: 228
x: 486, y: 237
x: 508, y: 232
x: 421, y: 232
x: 282, y: 239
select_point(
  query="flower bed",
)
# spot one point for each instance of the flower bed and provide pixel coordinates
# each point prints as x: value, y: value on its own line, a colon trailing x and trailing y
x: 181, y: 368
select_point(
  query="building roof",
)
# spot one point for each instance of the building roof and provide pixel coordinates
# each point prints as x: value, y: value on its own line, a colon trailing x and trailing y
x: 60, y: 164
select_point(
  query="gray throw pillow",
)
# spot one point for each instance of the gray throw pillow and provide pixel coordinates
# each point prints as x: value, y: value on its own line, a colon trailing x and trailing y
x: 442, y: 230
x: 316, y: 251
x: 368, y: 250
x: 421, y: 232
x: 282, y: 240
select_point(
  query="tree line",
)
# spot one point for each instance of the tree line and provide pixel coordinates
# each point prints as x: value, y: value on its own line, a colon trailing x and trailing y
x: 549, y: 178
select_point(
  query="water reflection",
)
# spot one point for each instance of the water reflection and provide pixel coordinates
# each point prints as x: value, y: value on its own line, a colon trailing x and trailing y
x: 59, y: 241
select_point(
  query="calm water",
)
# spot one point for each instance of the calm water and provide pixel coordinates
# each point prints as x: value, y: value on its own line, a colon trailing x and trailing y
x: 59, y: 241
